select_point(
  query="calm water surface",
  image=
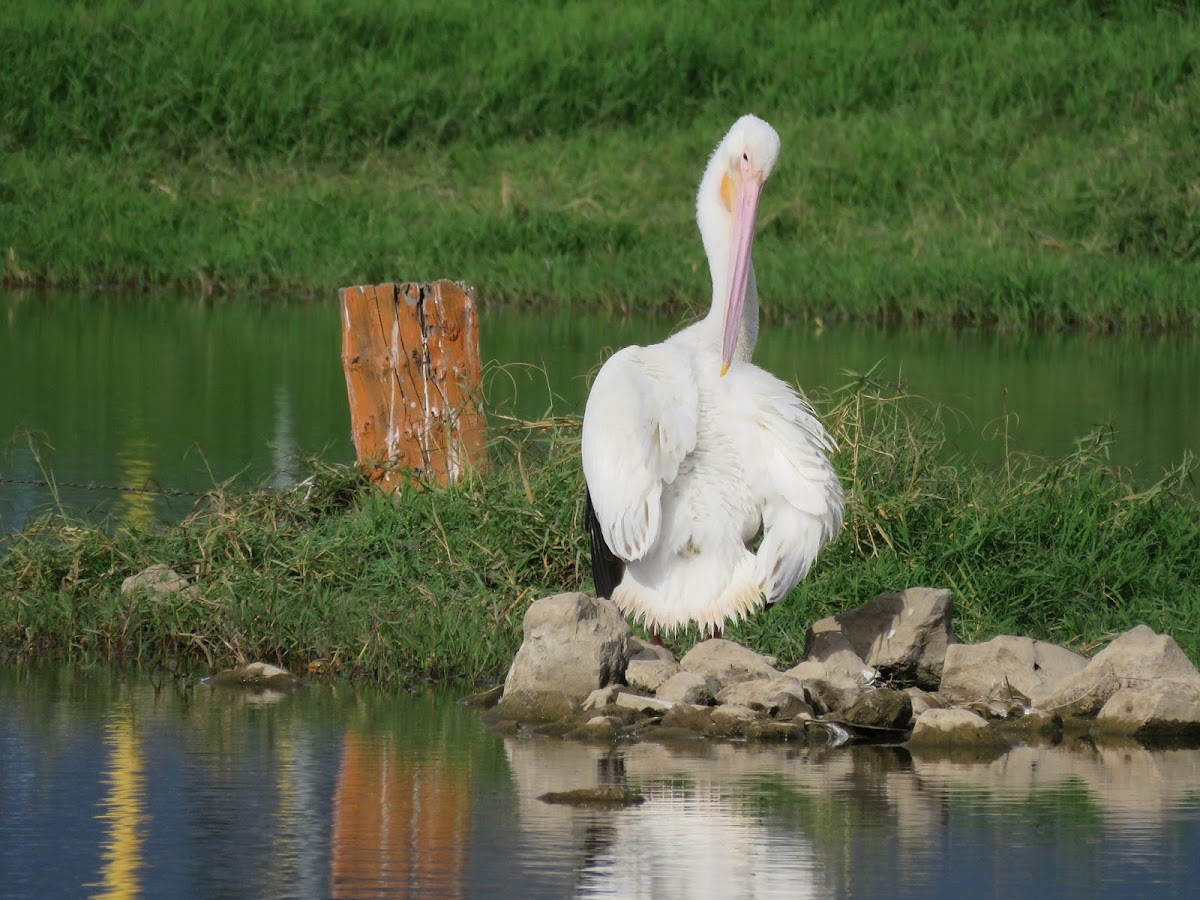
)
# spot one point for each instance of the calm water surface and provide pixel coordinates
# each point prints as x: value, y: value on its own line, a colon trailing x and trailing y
x: 111, y: 786
x: 185, y: 393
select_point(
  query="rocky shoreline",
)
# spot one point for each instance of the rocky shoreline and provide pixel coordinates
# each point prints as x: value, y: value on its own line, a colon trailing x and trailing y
x: 890, y: 671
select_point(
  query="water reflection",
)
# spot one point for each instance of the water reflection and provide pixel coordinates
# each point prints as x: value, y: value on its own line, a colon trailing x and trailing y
x: 123, y: 814
x: 399, y: 817
x: 196, y: 392
x: 109, y: 786
x: 696, y: 835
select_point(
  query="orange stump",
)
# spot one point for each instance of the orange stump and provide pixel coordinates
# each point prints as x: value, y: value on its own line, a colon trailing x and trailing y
x: 413, y: 376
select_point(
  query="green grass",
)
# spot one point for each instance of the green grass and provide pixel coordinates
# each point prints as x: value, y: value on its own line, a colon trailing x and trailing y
x: 436, y: 585
x: 1024, y: 164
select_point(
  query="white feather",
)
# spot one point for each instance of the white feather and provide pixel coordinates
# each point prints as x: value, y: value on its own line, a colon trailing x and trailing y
x: 686, y: 467
x: 639, y: 425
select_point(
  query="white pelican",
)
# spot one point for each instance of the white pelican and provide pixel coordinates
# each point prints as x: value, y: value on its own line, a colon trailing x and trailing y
x: 691, y: 452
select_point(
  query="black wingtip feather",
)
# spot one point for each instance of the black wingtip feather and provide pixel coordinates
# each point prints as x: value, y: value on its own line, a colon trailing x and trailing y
x: 607, y: 567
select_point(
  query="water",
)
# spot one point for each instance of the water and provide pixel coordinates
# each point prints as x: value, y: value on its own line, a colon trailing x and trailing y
x: 185, y: 393
x: 111, y: 786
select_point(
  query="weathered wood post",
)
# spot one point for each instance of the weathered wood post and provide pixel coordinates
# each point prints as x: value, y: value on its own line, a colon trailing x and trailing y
x: 414, y: 379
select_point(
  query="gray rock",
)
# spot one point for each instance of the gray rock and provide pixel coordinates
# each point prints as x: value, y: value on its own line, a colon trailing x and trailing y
x: 735, y: 711
x: 643, y: 649
x: 158, y: 580
x: 649, y: 674
x: 775, y: 730
x: 732, y: 720
x: 727, y: 662
x: 572, y: 644
x: 685, y: 716
x: 1005, y: 668
x: 484, y: 699
x: 602, y: 728
x: 783, y: 697
x: 1033, y: 724
x: 255, y: 675
x: 1158, y: 709
x: 836, y: 681
x: 1135, y: 659
x: 880, y: 708
x: 689, y: 687
x: 535, y: 706
x: 954, y: 728
x: 997, y: 710
x: 644, y: 704
x: 904, y: 634
x: 602, y: 697
x: 923, y: 700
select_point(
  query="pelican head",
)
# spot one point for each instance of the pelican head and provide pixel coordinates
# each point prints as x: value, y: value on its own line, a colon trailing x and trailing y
x: 726, y: 211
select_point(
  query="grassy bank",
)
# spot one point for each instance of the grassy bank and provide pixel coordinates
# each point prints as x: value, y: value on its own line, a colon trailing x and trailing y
x: 1026, y: 164
x: 332, y: 573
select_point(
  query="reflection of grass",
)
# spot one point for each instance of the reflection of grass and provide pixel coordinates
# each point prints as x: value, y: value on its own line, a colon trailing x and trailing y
x: 435, y: 586
x: 883, y: 793
x: 1010, y: 162
x: 1066, y: 806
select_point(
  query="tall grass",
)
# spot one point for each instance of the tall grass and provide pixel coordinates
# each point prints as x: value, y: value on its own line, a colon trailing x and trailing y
x: 336, y: 575
x: 1026, y: 164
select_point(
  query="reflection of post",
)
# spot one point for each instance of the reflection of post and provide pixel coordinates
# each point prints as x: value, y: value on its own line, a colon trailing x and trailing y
x: 123, y: 812
x: 399, y: 819
x: 137, y: 506
x: 413, y: 377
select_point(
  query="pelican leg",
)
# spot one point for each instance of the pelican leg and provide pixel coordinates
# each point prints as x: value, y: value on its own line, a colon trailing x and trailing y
x: 656, y: 638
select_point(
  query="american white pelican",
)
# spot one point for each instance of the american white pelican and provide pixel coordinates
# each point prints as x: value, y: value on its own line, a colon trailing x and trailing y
x: 691, y: 453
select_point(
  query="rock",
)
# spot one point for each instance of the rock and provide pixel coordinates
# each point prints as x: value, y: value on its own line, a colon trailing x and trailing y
x: 1034, y: 723
x: 484, y: 699
x: 775, y: 731
x: 880, y: 708
x: 597, y: 797
x: 645, y: 704
x: 683, y: 715
x: 783, y: 697
x: 836, y: 681
x: 731, y: 720
x: 954, y: 728
x: 536, y: 706
x: 735, y: 711
x: 157, y: 581
x: 255, y: 675
x: 997, y: 710
x: 689, y: 687
x: 1157, y: 709
x: 1136, y: 658
x: 727, y: 662
x: 1005, y: 668
x: 573, y: 644
x: 824, y: 733
x: 923, y: 700
x: 605, y: 696
x: 904, y: 635
x: 649, y: 674
x: 643, y: 649
x: 596, y: 728
x: 623, y: 715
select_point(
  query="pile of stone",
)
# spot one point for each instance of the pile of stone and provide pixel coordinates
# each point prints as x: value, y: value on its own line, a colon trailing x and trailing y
x: 891, y: 670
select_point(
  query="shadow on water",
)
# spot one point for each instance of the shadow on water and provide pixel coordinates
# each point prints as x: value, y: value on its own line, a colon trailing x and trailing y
x: 116, y: 784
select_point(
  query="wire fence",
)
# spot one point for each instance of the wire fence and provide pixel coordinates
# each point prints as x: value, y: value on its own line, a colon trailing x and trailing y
x: 97, y: 486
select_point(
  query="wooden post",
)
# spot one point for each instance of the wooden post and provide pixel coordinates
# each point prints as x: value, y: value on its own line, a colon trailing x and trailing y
x: 414, y: 379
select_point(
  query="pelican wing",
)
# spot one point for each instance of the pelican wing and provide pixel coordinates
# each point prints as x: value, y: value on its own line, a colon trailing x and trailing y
x: 639, y: 424
x: 786, y: 452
